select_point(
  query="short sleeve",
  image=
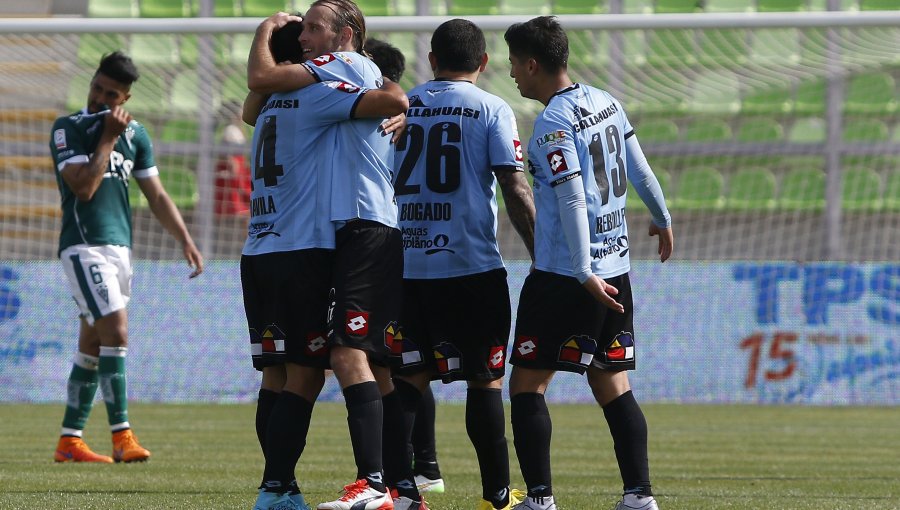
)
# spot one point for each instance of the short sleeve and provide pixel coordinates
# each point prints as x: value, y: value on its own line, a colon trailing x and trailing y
x: 554, y: 144
x: 504, y: 146
x: 67, y: 144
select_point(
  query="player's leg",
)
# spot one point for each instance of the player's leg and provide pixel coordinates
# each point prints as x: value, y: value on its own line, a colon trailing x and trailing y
x: 368, y: 276
x: 426, y: 469
x: 80, y: 389
x: 273, y: 379
x: 532, y: 431
x: 608, y: 378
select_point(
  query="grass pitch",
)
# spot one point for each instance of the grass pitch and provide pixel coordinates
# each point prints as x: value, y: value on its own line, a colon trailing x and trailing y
x: 734, y: 457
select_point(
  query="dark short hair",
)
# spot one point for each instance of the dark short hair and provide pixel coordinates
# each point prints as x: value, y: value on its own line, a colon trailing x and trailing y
x: 119, y: 67
x: 347, y: 14
x: 285, y: 43
x: 458, y: 45
x: 388, y: 58
x: 542, y: 39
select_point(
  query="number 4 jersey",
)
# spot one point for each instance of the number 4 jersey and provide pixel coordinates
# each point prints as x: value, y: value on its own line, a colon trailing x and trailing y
x: 581, y: 135
x: 443, y: 178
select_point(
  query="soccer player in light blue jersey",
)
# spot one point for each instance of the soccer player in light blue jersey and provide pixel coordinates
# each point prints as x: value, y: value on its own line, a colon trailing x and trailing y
x: 367, y: 271
x: 456, y: 309
x: 576, y: 310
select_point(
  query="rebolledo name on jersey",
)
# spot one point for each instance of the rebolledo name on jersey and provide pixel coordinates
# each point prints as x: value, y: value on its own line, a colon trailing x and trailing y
x: 589, y: 119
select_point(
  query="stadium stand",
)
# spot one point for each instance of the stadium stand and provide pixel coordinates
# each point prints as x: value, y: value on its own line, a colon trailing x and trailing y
x: 708, y: 130
x: 751, y: 188
x: 580, y: 7
x: 860, y: 190
x: 892, y: 190
x: 113, y: 9
x: 807, y: 130
x: 871, y: 93
x: 657, y: 130
x: 374, y: 7
x: 803, y: 189
x: 265, y: 8
x: 761, y: 129
x: 164, y: 8
x: 700, y: 188
x: 728, y: 6
x: 865, y: 130
x: 154, y: 50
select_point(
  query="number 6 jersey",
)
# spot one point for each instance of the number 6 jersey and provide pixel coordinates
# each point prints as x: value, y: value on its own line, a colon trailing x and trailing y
x: 456, y: 135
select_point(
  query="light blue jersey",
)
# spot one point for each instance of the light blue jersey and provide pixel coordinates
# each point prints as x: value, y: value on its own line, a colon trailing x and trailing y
x: 456, y: 135
x: 293, y: 145
x: 581, y: 135
x: 362, y: 154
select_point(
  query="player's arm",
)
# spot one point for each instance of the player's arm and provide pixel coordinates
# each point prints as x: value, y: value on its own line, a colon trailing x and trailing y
x: 519, y: 202
x: 84, y: 178
x: 388, y: 100
x: 266, y: 76
x: 165, y: 211
x: 253, y: 104
x: 647, y: 186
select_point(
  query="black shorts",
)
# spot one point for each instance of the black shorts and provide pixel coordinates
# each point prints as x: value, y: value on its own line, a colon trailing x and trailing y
x: 456, y: 327
x: 368, y: 286
x: 560, y: 326
x: 286, y: 302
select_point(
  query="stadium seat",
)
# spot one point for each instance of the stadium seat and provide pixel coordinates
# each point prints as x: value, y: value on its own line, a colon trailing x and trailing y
x: 180, y: 184
x: 149, y: 95
x: 658, y: 92
x: 723, y: 47
x: 79, y: 86
x: 807, y: 130
x: 700, y: 188
x: 92, y: 47
x: 728, y: 6
x: 531, y: 7
x: 760, y: 130
x: 373, y: 7
x: 809, y: 98
x: 871, y: 93
x: 892, y: 190
x: 239, y: 49
x: 221, y: 8
x: 751, y: 188
x: 672, y: 48
x: 865, y: 130
x: 637, y: 6
x: 879, y: 5
x: 772, y: 101
x: 472, y: 7
x: 676, y: 6
x: 154, y: 49
x: 803, y: 189
x: 580, y: 6
x: 588, y: 48
x: 112, y: 9
x: 185, y: 94
x: 708, y: 130
x: 180, y: 130
x: 658, y: 130
x: 715, y: 92
x: 780, y: 5
x: 234, y: 87
x: 775, y: 46
x: 822, y: 5
x: 860, y: 190
x: 265, y: 8
x: 164, y: 8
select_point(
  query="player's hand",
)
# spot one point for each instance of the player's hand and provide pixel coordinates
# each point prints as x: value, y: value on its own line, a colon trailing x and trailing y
x: 666, y: 241
x: 115, y: 122
x: 280, y: 19
x: 194, y: 259
x: 395, y: 125
x: 603, y: 292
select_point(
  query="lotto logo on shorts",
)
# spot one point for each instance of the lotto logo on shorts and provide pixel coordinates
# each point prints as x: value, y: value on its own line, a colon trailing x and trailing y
x: 315, y: 344
x: 357, y: 323
x: 557, y: 162
x: 497, y: 357
x: 323, y: 59
x: 525, y: 347
x: 578, y: 350
x: 621, y: 349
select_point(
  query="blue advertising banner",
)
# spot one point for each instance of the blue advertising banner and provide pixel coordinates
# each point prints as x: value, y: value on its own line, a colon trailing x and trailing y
x: 717, y: 332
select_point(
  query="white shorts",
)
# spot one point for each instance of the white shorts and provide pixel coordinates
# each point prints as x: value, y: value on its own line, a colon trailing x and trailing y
x: 99, y: 278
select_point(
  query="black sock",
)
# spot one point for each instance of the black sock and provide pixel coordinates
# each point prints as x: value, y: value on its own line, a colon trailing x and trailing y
x: 264, y: 406
x: 486, y: 426
x: 285, y: 439
x: 399, y: 414
x: 423, y: 441
x: 532, y: 430
x: 629, y: 432
x: 365, y: 416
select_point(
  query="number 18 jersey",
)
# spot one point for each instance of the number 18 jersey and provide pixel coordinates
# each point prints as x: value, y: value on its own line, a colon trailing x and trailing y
x: 581, y: 135
x: 443, y: 178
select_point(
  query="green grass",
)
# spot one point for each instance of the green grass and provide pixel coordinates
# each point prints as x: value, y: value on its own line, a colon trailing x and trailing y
x: 735, y: 457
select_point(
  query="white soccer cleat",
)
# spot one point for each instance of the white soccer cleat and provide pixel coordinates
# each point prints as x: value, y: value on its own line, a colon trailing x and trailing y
x: 359, y: 496
x: 425, y: 484
x: 635, y: 502
x: 529, y: 503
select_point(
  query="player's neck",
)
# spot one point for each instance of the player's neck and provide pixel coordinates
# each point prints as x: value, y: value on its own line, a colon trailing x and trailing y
x: 469, y: 76
x: 553, y: 84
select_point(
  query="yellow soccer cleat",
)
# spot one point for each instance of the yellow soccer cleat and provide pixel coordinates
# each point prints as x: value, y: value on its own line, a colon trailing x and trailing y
x: 515, y: 497
x: 73, y: 449
x: 127, y: 449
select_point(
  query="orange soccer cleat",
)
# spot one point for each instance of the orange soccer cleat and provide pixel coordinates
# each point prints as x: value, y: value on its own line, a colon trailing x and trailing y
x: 126, y: 447
x: 74, y: 449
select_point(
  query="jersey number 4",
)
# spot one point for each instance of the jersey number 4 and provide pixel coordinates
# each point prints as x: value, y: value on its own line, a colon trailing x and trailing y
x: 614, y: 147
x: 442, y: 160
x: 266, y: 169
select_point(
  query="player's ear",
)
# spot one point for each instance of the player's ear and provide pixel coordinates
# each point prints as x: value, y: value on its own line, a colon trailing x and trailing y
x: 347, y: 36
x: 432, y: 60
x: 484, y: 61
x: 532, y: 66
x: 127, y: 97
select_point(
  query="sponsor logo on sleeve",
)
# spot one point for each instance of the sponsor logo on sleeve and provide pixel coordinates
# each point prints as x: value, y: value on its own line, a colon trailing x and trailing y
x: 344, y: 87
x: 59, y: 138
x: 518, y: 146
x: 551, y: 138
x: 557, y: 162
x: 321, y: 60
x: 357, y: 323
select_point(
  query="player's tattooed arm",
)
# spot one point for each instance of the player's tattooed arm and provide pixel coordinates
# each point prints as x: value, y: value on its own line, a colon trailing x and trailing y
x: 266, y: 76
x: 519, y: 203
x: 253, y: 104
x: 84, y: 179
